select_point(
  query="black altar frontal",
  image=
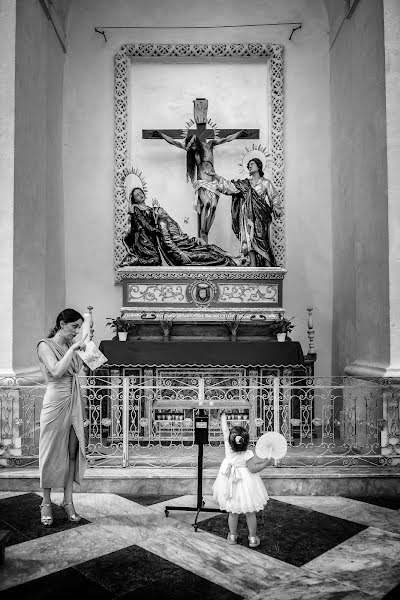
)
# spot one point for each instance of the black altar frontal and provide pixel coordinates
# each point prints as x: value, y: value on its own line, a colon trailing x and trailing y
x: 183, y: 354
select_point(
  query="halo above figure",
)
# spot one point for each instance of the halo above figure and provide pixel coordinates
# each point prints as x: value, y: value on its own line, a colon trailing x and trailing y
x: 248, y: 154
x: 133, y: 178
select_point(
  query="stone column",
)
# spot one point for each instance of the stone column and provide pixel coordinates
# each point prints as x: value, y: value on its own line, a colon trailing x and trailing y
x: 392, y: 68
x: 31, y: 189
x: 388, y: 327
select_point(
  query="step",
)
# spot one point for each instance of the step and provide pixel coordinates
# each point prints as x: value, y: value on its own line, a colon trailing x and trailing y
x: 303, y: 481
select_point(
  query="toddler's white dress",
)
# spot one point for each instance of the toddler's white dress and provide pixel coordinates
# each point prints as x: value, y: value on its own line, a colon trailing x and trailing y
x: 236, y: 489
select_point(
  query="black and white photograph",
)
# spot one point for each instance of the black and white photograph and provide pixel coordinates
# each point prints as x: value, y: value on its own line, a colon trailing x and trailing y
x: 200, y: 299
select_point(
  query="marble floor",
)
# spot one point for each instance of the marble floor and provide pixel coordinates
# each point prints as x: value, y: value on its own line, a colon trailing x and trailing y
x: 125, y: 547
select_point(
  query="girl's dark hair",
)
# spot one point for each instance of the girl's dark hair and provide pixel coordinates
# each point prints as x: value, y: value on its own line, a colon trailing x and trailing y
x: 131, y: 198
x: 68, y: 315
x: 239, y: 439
x: 259, y: 165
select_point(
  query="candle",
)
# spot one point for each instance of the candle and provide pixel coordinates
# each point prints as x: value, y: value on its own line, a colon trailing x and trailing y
x: 85, y: 331
x: 384, y: 438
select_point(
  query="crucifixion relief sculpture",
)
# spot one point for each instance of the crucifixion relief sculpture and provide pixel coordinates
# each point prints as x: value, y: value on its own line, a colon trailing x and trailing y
x: 199, y: 146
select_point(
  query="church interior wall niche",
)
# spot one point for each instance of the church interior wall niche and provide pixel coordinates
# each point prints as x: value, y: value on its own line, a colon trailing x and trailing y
x: 255, y: 68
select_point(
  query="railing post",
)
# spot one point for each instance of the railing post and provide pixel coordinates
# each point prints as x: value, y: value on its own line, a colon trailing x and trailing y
x: 201, y: 390
x: 125, y: 421
x: 276, y: 404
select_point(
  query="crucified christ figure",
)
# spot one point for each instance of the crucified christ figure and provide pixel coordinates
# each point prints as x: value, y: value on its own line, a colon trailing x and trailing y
x: 200, y: 163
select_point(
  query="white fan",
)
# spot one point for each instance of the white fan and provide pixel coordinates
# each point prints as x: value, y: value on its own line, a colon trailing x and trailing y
x: 271, y: 445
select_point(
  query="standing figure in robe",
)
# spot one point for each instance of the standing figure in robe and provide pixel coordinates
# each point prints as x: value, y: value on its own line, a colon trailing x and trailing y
x: 141, y: 241
x: 62, y: 453
x: 254, y: 206
x: 199, y: 168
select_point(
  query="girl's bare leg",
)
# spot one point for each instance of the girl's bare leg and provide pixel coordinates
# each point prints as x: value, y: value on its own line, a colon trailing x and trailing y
x: 73, y: 451
x: 233, y: 523
x: 251, y: 520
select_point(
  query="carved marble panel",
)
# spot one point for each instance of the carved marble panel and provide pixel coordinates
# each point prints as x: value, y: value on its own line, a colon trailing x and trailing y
x: 249, y: 293
x: 156, y: 293
x: 203, y: 294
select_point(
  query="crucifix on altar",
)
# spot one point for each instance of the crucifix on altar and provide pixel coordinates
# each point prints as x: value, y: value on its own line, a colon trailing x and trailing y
x: 199, y: 146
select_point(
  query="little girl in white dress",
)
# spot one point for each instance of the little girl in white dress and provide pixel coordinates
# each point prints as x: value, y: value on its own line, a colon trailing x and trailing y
x: 239, y: 488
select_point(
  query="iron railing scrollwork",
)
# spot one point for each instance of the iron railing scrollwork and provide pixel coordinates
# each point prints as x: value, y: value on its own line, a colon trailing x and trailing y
x: 146, y: 418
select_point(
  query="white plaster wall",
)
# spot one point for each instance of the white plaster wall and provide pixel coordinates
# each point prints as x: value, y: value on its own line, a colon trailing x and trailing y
x: 359, y: 187
x: 39, y: 279
x: 7, y: 132
x: 89, y: 130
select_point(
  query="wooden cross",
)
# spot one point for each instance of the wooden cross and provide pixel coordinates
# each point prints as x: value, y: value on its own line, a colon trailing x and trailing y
x: 201, y: 131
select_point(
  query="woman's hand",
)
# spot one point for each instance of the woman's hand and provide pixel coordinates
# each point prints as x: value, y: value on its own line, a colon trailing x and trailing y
x: 81, y: 345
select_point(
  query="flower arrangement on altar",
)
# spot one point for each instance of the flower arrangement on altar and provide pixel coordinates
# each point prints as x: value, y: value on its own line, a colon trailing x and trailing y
x: 233, y: 324
x: 121, y: 327
x: 166, y: 325
x: 281, y: 328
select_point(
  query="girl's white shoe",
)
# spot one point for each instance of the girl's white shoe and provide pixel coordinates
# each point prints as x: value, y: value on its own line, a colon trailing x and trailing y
x: 254, y: 541
x: 232, y: 539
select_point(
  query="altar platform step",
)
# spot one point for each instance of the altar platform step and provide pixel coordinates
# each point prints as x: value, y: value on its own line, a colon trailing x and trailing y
x: 303, y: 481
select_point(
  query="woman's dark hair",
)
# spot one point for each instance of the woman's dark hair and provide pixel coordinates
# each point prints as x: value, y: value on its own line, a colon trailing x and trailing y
x: 68, y: 315
x: 259, y: 165
x: 239, y: 439
x: 131, y: 197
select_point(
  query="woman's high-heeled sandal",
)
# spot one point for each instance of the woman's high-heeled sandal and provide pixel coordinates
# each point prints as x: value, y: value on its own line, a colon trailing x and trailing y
x: 75, y: 518
x: 46, y: 520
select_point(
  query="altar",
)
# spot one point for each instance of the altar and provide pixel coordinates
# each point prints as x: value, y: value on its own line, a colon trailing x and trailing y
x: 202, y: 264
x: 168, y: 382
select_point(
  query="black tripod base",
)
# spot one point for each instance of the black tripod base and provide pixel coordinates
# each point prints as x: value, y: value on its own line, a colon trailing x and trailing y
x: 196, y: 509
x: 201, y: 438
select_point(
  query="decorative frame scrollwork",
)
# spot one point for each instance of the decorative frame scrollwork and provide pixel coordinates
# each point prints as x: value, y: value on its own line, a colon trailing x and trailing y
x: 257, y: 51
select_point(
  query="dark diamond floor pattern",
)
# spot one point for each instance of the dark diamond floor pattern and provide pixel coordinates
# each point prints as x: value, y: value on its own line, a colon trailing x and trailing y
x: 21, y: 516
x: 129, y: 574
x: 290, y: 533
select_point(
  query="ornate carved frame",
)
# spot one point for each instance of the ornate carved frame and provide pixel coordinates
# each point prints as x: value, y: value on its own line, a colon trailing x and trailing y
x: 171, y: 52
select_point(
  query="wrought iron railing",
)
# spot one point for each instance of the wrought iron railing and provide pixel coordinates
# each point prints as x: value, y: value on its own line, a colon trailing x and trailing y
x: 147, y: 418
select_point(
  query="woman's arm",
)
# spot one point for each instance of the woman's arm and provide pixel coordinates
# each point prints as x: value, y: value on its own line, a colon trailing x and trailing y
x: 224, y: 426
x: 58, y: 368
x: 256, y: 464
